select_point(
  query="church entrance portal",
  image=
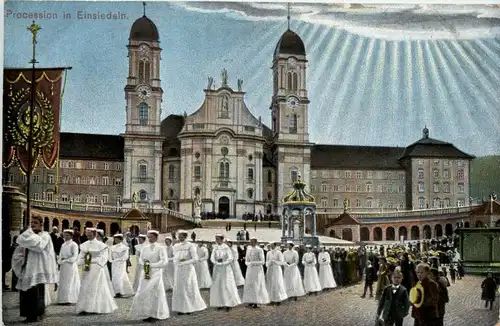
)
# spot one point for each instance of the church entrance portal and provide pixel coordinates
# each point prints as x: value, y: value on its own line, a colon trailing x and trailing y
x: 224, y: 207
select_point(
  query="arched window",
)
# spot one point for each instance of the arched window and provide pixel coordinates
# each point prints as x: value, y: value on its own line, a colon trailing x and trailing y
x: 293, y: 124
x: 143, y: 114
x: 269, y: 176
x: 144, y: 71
x: 171, y: 172
x: 170, y: 193
x: 224, y: 170
x: 292, y: 81
x: 197, y: 191
x: 143, y: 171
x: 143, y: 195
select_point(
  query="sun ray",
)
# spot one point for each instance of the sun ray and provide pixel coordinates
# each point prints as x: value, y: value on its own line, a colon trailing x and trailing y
x: 424, y: 97
x: 409, y: 76
x: 490, y: 66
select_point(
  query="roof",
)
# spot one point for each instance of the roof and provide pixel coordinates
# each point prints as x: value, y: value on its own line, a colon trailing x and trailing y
x: 355, y: 157
x: 488, y: 208
x: 290, y: 43
x: 433, y: 148
x: 171, y: 126
x: 91, y: 146
x: 344, y: 219
x: 134, y: 214
x: 143, y: 29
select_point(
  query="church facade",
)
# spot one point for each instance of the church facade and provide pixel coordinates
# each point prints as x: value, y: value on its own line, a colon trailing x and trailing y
x: 225, y: 155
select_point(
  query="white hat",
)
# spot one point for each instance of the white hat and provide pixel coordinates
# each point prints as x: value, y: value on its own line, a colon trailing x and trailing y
x: 169, y: 238
x: 253, y: 238
x: 308, y: 246
x: 68, y: 231
x: 228, y: 240
x: 153, y: 231
x: 440, y: 269
x: 100, y: 231
x: 219, y: 235
x: 182, y: 232
x: 91, y: 229
x: 55, y: 228
x: 290, y: 242
x: 118, y: 235
x: 142, y: 236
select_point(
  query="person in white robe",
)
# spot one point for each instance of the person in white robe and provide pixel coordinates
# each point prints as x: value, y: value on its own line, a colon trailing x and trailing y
x: 69, y: 276
x: 274, y: 276
x: 100, y: 237
x: 150, y: 302
x: 201, y: 267
x: 224, y: 292
x: 119, y: 254
x: 186, y: 297
x: 138, y: 268
x: 238, y: 275
x: 311, y: 279
x: 326, y: 278
x: 95, y: 295
x: 34, y: 263
x: 254, y: 291
x: 169, y: 272
x: 293, y: 280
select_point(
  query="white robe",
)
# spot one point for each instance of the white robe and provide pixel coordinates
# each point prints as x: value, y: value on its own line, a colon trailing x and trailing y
x: 201, y: 267
x: 95, y: 294
x: 139, y: 270
x: 274, y: 276
x: 119, y: 254
x: 150, y: 300
x: 311, y: 279
x: 293, y: 280
x: 169, y: 270
x: 254, y: 291
x: 238, y: 275
x: 69, y: 276
x: 224, y: 292
x: 186, y: 297
x: 325, y: 271
x: 41, y: 267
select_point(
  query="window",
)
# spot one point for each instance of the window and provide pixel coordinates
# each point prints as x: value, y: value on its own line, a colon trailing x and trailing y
x: 269, y: 176
x: 460, y: 188
x: 143, y: 172
x: 89, y: 199
x: 421, y: 187
x: 171, y: 172
x: 105, y: 198
x: 347, y: 188
x: 105, y: 181
x: 348, y: 174
x: 118, y: 181
x: 314, y: 174
x: 335, y: 203
x: 460, y: 174
x: 118, y: 166
x: 293, y: 124
x: 250, y: 174
x: 401, y: 204
x: 143, y: 195
x: 84, y: 180
x: 369, y: 203
x: 71, y: 164
x: 380, y: 204
x: 106, y: 166
x: 401, y: 176
x: 92, y: 181
x: 446, y: 187
x: 358, y: 188
x: 359, y: 175
x: 435, y: 173
x: 401, y: 188
x: 313, y: 188
x: 324, y: 202
x: 12, y: 177
x: 435, y: 203
x: 91, y: 165
x: 78, y: 198
x: 51, y: 179
x: 460, y: 163
x: 197, y: 172
x: 441, y: 204
x: 224, y: 170
x: 292, y: 81
x: 421, y: 203
x: 144, y: 71
x: 460, y: 202
x: 293, y: 175
x: 389, y: 188
x: 388, y: 175
x: 336, y: 188
x: 36, y: 196
x: 380, y: 188
x: 118, y: 198
x: 50, y: 196
x: 95, y: 199
x: 143, y: 114
x: 447, y: 202
x: 436, y: 187
x: 420, y: 162
x: 36, y: 179
x: 436, y: 162
x: 250, y: 193
x: 446, y: 173
x: 337, y: 174
x: 64, y: 198
x: 420, y: 173
x: 324, y: 187
x: 65, y: 179
x: 269, y: 195
x: 389, y: 204
x: 369, y: 174
x: 358, y: 203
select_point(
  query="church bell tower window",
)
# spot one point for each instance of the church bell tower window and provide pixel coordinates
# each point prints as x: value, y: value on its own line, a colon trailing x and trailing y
x: 144, y: 71
x: 292, y: 81
x: 143, y: 114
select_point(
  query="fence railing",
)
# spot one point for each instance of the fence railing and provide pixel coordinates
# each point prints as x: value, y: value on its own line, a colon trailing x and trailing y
x: 408, y: 213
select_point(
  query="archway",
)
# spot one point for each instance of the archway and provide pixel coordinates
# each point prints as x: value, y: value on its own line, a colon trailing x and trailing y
x: 76, y: 224
x: 102, y: 226
x: 415, y: 233
x: 427, y: 232
x: 377, y: 234
x: 88, y: 224
x: 114, y: 227
x: 269, y: 209
x: 364, y: 234
x: 332, y: 234
x: 55, y: 222
x: 347, y: 234
x: 134, y: 229
x: 497, y: 224
x: 171, y: 205
x: 466, y: 225
x: 46, y: 224
x: 224, y: 206
x: 390, y: 234
x: 479, y: 224
x: 438, y: 231
x: 403, y: 232
x: 448, y: 229
x: 65, y: 224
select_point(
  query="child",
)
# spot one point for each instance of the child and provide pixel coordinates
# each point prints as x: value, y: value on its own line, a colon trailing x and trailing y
x: 370, y: 276
x: 394, y: 304
x: 452, y: 273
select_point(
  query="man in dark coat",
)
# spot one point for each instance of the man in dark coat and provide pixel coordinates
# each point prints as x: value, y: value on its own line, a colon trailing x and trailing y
x: 57, y: 240
x: 394, y: 304
x: 408, y: 270
x: 489, y: 288
x: 427, y: 314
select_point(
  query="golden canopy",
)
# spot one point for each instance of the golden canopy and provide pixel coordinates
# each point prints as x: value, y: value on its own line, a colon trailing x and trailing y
x: 299, y: 194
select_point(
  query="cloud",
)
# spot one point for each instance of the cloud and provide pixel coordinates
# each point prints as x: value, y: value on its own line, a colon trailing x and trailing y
x: 397, y: 22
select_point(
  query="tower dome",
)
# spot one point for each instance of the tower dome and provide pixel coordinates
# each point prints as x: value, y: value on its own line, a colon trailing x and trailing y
x: 290, y: 43
x: 144, y: 29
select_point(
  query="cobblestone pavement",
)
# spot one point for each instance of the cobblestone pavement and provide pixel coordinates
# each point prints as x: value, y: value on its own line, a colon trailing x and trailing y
x: 341, y: 307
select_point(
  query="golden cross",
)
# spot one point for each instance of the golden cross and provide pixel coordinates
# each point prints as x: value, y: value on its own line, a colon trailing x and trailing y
x: 34, y: 28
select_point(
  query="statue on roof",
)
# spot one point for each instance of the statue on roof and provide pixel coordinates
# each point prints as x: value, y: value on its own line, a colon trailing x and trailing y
x: 346, y: 205
x: 210, y: 82
x: 134, y: 199
x: 426, y: 132
x: 240, y: 84
x: 224, y: 77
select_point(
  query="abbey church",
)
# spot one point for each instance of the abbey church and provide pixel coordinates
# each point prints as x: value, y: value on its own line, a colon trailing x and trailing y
x: 232, y: 161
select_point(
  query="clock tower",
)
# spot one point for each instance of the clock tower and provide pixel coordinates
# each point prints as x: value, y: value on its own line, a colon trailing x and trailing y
x: 291, y: 150
x: 143, y: 95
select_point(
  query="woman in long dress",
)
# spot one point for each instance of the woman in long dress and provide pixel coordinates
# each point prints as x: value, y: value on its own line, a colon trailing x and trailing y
x: 274, y: 276
x: 293, y: 281
x: 382, y: 278
x: 119, y: 255
x: 169, y: 271
x: 201, y: 267
x: 311, y: 279
x: 69, y: 276
x: 235, y: 265
x: 139, y: 270
x: 224, y: 292
x: 325, y: 271
x: 150, y: 302
x: 254, y: 291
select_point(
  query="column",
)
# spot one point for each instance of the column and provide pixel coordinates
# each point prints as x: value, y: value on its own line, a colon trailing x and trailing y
x: 157, y: 195
x: 283, y: 225
x: 313, y: 216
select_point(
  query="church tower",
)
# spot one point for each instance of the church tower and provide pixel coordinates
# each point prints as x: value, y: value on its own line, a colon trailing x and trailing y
x: 291, y: 150
x: 143, y: 94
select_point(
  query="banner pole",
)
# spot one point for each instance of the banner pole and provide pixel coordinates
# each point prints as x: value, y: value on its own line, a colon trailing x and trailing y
x: 33, y: 28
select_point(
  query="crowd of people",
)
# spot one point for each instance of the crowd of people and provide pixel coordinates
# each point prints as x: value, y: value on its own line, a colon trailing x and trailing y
x: 254, y: 217
x: 411, y: 275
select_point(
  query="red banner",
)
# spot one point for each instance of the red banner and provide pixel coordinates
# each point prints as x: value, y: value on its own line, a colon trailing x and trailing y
x: 17, y: 100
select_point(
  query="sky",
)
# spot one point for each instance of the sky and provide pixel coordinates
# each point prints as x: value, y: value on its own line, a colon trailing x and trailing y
x: 376, y: 74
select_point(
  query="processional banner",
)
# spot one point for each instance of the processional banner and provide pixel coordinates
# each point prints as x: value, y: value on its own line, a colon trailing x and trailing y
x: 17, y: 98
